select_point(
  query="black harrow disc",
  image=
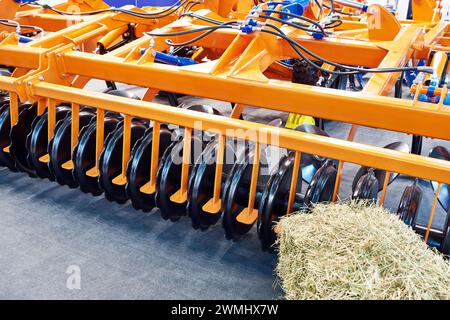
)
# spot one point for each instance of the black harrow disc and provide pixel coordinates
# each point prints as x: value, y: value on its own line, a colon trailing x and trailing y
x: 311, y: 163
x: 18, y: 135
x: 123, y: 93
x: 5, y: 128
x: 170, y: 168
x: 37, y: 142
x: 381, y: 174
x: 111, y: 160
x: 201, y: 184
x: 4, y: 98
x: 236, y: 193
x: 84, y: 153
x: 60, y: 147
x: 204, y: 109
x: 274, y: 201
x: 138, y: 169
x: 409, y: 207
x: 445, y: 245
x: 322, y: 185
x: 168, y: 180
x: 367, y: 187
x: 444, y: 195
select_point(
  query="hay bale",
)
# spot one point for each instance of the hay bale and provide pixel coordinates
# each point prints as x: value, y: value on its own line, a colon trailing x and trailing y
x: 357, y: 251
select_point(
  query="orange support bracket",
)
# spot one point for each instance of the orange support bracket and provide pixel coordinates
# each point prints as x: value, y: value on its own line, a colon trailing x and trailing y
x: 250, y: 214
x: 121, y: 179
x: 75, y: 127
x: 99, y: 137
x: 150, y: 187
x: 294, y: 180
x: 181, y: 195
x: 51, y: 123
x: 215, y: 203
x: 433, y: 211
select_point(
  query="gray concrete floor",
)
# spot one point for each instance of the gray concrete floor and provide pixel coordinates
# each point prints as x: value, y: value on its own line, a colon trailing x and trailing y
x: 125, y: 254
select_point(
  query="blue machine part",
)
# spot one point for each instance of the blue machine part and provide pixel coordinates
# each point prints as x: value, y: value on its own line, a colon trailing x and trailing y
x: 171, y: 59
x: 248, y: 27
x: 317, y: 35
x: 424, y: 98
x: 447, y: 100
x: 141, y: 3
x: 293, y: 6
x: 137, y: 3
x: 174, y: 60
x: 23, y: 39
x: 411, y: 75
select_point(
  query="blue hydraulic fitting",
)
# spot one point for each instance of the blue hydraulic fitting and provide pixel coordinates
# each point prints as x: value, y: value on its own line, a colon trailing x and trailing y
x: 249, y: 26
x: 412, y: 75
x: 171, y: 59
x: 317, y: 35
x: 424, y: 98
x: 430, y: 91
x: 297, y: 7
x: 23, y: 39
x: 447, y: 100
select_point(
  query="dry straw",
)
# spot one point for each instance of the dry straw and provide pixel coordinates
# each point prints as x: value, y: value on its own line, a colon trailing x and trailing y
x: 357, y: 251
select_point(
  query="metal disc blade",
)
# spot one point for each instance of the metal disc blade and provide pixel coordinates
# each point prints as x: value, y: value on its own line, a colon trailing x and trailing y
x: 111, y: 161
x: 236, y: 194
x: 4, y: 72
x: 277, y: 123
x: 445, y: 245
x: 124, y: 93
x: 409, y: 207
x: 4, y: 98
x: 60, y: 148
x: 322, y: 185
x: 442, y: 153
x: 5, y: 128
x: 204, y: 109
x: 309, y: 128
x: 274, y: 200
x: 169, y: 178
x: 381, y: 174
x: 138, y: 169
x: 37, y: 142
x: 18, y: 135
x: 311, y: 163
x: 366, y: 188
x: 201, y: 184
x: 84, y: 154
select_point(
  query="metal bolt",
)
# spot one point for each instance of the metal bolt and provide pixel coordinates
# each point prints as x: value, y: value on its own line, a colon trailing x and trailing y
x: 29, y: 83
x: 41, y: 78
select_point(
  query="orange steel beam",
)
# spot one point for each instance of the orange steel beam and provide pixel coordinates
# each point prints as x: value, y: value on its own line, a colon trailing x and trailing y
x: 353, y: 107
x: 370, y: 156
x: 20, y: 56
x: 9, y: 9
x: 344, y: 51
x: 338, y: 49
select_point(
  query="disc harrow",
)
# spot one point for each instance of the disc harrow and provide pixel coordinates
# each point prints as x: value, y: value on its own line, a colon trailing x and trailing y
x: 295, y: 57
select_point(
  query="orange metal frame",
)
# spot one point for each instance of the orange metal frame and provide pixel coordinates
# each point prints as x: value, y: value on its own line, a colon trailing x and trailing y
x: 241, y: 70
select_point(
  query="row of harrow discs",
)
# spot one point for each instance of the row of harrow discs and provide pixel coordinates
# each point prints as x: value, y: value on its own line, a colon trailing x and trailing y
x: 25, y: 147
